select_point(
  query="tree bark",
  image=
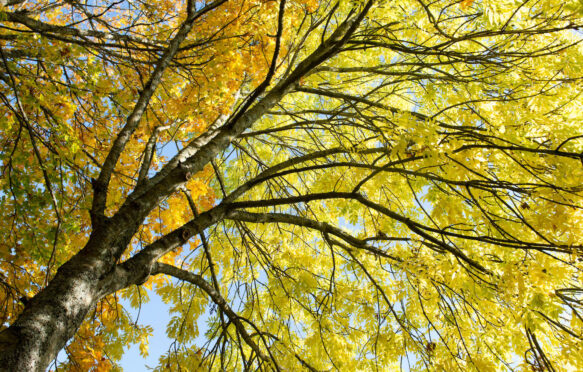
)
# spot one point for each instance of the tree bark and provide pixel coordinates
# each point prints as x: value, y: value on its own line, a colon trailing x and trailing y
x: 54, y: 315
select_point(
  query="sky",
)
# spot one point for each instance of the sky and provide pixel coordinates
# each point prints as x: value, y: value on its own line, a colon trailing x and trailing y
x: 155, y: 314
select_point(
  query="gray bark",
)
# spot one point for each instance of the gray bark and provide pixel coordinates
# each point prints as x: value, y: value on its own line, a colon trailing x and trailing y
x: 53, y: 316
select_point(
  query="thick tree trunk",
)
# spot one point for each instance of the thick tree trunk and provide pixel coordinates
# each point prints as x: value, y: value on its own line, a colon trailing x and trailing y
x: 49, y: 320
x: 55, y: 314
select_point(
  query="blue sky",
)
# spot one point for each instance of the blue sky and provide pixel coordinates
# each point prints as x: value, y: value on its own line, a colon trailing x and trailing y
x: 155, y: 314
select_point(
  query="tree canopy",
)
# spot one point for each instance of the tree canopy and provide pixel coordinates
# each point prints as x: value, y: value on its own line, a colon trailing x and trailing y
x: 354, y: 185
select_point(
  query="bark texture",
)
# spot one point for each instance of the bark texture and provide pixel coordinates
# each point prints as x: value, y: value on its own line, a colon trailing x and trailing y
x: 52, y: 317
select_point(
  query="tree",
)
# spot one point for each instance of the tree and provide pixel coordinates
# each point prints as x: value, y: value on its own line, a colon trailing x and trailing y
x: 359, y: 185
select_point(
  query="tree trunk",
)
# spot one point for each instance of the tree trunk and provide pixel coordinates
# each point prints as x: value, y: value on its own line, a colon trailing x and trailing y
x: 55, y: 314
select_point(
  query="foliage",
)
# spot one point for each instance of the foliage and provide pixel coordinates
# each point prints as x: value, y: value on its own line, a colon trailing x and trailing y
x: 350, y: 186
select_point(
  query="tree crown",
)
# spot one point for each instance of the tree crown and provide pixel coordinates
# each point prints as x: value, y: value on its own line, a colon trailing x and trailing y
x: 358, y: 185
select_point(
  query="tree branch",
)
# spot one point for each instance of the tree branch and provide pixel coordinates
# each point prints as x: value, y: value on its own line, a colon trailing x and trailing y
x: 323, y: 227
x: 197, y: 280
x: 133, y: 120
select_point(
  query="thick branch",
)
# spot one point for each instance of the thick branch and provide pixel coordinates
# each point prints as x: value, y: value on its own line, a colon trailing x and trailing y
x: 81, y: 35
x: 415, y: 227
x: 133, y: 120
x: 208, y: 145
x: 137, y: 269
x: 323, y: 227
